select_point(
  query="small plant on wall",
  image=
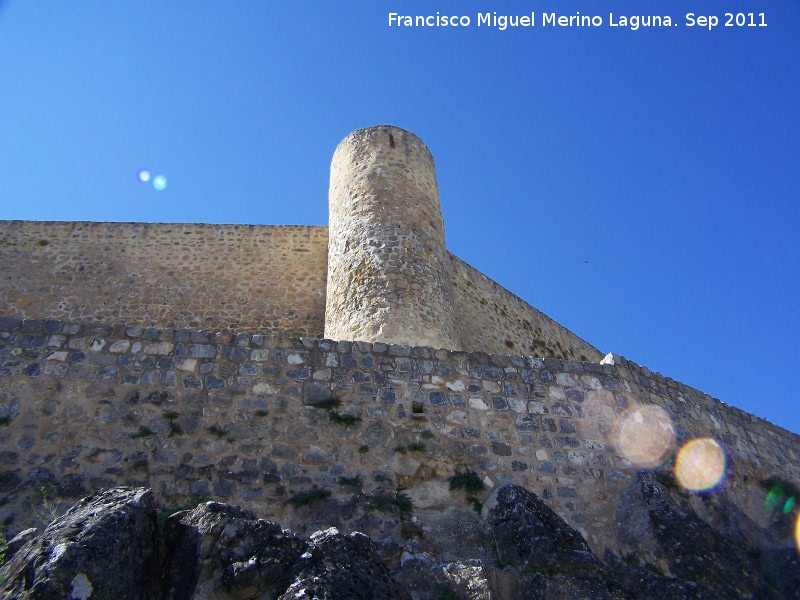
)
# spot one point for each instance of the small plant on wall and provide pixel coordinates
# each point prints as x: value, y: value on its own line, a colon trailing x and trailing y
x: 299, y: 499
x: 217, y: 431
x: 336, y: 417
x: 469, y: 481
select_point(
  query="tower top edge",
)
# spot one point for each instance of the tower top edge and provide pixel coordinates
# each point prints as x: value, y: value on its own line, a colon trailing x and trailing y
x: 365, y: 131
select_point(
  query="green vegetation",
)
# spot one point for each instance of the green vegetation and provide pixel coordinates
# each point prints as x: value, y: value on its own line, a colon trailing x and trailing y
x: 143, y: 432
x: 140, y: 463
x: 43, y: 506
x: 261, y: 412
x: 328, y: 404
x: 469, y: 481
x: 446, y: 593
x: 353, y: 481
x: 3, y: 547
x: 299, y: 499
x: 335, y: 417
x: 669, y: 481
x: 403, y: 501
x: 4, y: 421
x: 477, y: 505
x: 427, y: 435
x: 379, y: 478
x: 400, y: 500
x: 363, y: 449
x: 191, y: 502
x: 340, y: 419
x: 400, y: 449
x: 174, y: 428
x: 416, y: 447
x: 217, y: 431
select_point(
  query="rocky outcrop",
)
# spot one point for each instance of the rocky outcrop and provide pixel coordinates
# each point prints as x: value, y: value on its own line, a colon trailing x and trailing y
x: 106, y: 546
x: 114, y: 545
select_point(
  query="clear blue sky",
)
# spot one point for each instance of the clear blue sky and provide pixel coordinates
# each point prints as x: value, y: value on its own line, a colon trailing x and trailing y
x: 669, y: 158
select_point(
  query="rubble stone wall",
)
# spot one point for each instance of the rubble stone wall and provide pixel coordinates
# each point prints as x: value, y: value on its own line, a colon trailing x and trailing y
x: 266, y: 279
x: 230, y: 416
x: 492, y: 319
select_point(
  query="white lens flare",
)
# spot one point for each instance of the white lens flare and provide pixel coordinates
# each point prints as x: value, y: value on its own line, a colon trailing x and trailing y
x: 159, y: 182
x: 700, y: 465
x: 144, y: 175
x: 645, y: 436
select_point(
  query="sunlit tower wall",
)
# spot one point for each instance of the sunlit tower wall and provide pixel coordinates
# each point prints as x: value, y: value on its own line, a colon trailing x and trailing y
x: 387, y: 274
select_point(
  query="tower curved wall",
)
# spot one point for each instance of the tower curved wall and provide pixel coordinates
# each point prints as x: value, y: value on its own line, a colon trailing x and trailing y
x: 388, y: 277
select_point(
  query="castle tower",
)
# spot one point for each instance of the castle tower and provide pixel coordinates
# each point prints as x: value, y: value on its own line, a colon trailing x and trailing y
x: 387, y: 271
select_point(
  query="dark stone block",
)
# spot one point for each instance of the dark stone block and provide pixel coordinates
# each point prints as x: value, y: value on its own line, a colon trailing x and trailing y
x: 437, y: 398
x: 574, y: 395
x: 527, y: 424
x: 499, y: 403
x: 501, y: 449
x: 214, y: 383
x: 33, y: 370
x: 471, y: 434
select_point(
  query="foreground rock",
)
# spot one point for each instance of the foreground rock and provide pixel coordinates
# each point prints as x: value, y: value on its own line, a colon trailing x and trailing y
x: 114, y: 546
x: 106, y: 546
x: 223, y: 551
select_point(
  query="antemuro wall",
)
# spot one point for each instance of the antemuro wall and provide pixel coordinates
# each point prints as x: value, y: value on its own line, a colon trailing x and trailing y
x: 84, y: 407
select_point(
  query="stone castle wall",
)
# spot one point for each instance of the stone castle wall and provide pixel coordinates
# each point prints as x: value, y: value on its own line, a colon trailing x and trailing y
x: 266, y: 279
x: 269, y: 280
x: 494, y: 320
x: 84, y: 407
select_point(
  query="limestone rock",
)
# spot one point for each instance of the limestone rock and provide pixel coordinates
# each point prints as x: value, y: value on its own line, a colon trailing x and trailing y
x: 106, y: 545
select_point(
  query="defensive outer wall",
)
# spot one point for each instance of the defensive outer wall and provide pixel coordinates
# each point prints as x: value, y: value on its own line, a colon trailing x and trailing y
x: 188, y: 357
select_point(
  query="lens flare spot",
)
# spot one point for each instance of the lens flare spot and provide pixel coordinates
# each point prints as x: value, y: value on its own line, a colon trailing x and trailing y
x: 797, y: 532
x: 700, y: 465
x: 159, y: 182
x: 788, y: 505
x: 144, y: 175
x: 645, y: 436
x: 774, y: 498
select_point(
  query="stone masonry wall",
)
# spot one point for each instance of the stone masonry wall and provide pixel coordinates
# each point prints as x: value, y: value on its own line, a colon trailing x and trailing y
x: 228, y: 416
x: 492, y: 319
x: 266, y: 279
x: 387, y: 275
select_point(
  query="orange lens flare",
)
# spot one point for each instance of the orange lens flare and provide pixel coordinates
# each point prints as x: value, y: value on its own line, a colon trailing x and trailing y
x: 700, y: 465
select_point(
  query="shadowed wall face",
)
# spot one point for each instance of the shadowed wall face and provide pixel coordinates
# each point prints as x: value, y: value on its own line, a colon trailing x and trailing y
x: 388, y: 278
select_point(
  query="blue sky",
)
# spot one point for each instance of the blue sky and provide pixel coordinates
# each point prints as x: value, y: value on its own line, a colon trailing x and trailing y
x: 668, y: 158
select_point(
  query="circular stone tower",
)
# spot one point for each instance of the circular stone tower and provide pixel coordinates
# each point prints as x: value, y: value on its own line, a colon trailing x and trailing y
x: 387, y: 271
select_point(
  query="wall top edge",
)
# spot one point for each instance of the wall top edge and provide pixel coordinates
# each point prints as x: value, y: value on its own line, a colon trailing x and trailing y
x: 18, y: 222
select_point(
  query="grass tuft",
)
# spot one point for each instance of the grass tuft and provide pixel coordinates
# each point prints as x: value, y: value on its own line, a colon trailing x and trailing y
x: 143, y: 433
x: 469, y: 481
x: 299, y: 499
x: 340, y: 419
x: 328, y: 404
x: 217, y: 431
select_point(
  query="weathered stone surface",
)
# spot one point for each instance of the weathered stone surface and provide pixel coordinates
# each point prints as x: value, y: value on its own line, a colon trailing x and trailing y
x: 661, y: 528
x: 106, y: 543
